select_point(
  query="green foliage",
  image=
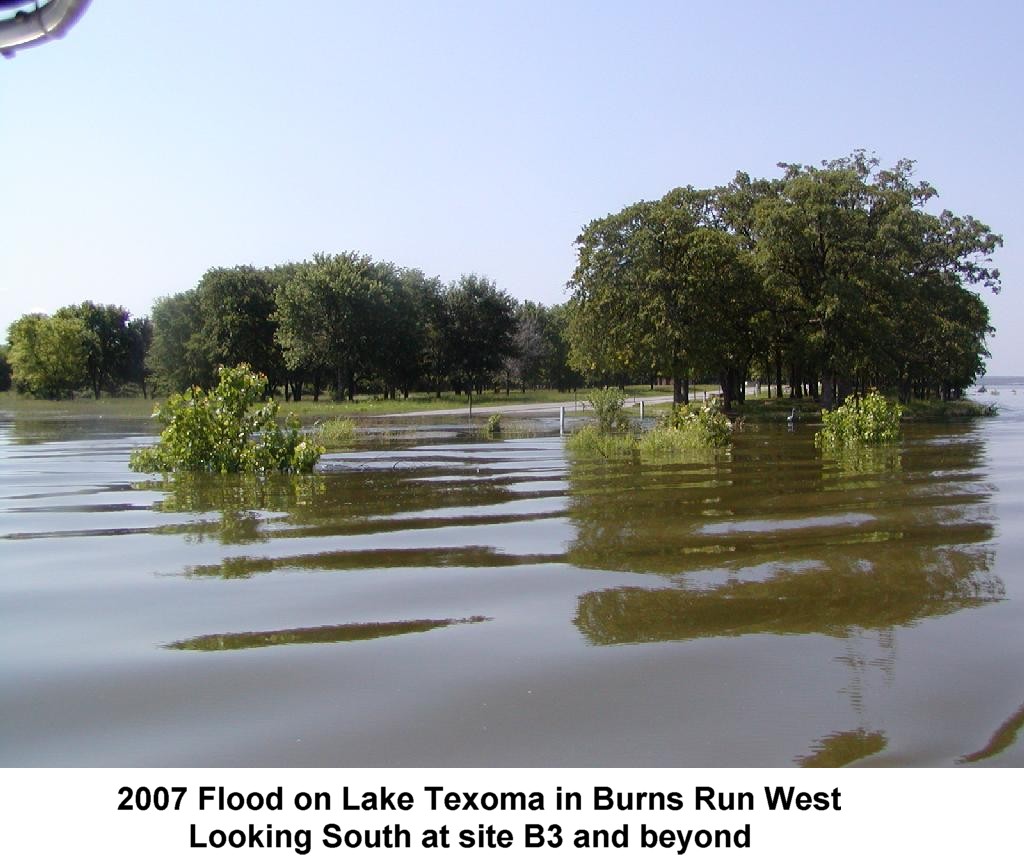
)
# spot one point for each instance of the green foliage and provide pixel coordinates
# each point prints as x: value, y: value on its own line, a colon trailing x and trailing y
x: 176, y: 353
x: 5, y: 369
x: 337, y: 432
x: 687, y: 428
x: 236, y: 325
x: 608, y: 404
x: 919, y: 411
x: 494, y: 423
x: 48, y: 355
x: 662, y: 441
x: 227, y: 430
x: 870, y: 419
x: 106, y: 340
x: 704, y: 424
x: 478, y: 327
x: 591, y: 440
x: 834, y: 273
x: 333, y: 314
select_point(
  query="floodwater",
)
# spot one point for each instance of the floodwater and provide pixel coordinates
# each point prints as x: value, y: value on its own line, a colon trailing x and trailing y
x: 447, y: 600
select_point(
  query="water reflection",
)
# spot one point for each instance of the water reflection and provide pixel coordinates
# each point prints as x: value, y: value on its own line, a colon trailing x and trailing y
x: 860, y: 465
x: 455, y: 556
x: 235, y: 508
x: 428, y: 506
x: 1001, y: 739
x: 345, y: 500
x: 842, y: 748
x: 315, y: 635
x: 777, y: 541
x: 640, y: 610
x: 862, y: 588
x: 70, y: 423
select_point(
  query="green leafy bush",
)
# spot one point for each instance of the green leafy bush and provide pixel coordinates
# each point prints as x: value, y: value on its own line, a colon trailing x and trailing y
x: 494, y: 423
x: 229, y: 429
x: 699, y: 425
x: 608, y: 406
x: 871, y: 419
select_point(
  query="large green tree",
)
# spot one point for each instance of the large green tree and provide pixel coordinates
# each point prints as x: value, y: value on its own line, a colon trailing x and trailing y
x: 871, y: 271
x: 403, y: 352
x: 331, y: 314
x: 236, y: 321
x: 48, y: 355
x: 140, y: 339
x: 176, y: 354
x: 840, y: 273
x: 479, y: 327
x: 107, y: 343
x: 664, y: 287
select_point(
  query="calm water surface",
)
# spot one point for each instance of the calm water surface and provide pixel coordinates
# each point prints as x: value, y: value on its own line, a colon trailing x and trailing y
x: 450, y: 601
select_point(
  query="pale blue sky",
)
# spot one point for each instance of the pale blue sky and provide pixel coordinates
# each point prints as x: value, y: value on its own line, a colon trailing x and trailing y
x: 160, y: 139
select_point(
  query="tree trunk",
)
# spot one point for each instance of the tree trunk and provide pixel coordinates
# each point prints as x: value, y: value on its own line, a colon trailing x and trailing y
x: 828, y: 391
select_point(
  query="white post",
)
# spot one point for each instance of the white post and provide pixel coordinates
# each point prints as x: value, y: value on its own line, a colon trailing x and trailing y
x: 641, y: 411
x: 561, y: 420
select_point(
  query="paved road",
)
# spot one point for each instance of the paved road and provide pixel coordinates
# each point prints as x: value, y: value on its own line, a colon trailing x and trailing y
x: 547, y: 407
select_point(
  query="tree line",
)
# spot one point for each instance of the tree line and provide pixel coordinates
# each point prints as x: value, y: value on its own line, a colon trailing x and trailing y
x: 835, y: 275
x: 342, y: 323
x: 83, y: 346
x: 828, y: 279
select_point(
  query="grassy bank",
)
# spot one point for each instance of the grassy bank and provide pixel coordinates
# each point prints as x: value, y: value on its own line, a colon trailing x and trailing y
x: 756, y: 408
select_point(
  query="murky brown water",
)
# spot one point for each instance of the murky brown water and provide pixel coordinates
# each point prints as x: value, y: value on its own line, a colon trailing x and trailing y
x: 445, y: 601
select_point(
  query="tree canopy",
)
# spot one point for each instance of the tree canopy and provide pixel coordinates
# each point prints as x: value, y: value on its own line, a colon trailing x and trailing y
x: 837, y: 273
x: 836, y: 277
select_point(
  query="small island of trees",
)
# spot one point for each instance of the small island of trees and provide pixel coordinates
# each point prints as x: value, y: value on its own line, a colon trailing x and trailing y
x: 834, y: 275
x: 828, y: 280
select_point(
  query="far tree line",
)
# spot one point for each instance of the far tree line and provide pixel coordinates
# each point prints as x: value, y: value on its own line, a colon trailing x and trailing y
x: 825, y: 280
x: 341, y: 324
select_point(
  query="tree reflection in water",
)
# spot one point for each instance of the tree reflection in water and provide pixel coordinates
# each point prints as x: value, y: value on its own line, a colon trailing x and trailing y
x: 314, y: 635
x: 779, y: 540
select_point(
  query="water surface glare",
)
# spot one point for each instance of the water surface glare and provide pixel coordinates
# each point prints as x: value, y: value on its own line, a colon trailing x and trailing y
x: 441, y: 600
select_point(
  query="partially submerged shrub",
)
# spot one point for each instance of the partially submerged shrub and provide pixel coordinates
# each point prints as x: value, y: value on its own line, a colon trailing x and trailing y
x: 608, y: 406
x: 229, y: 429
x: 702, y: 426
x: 591, y: 440
x: 870, y: 419
x: 687, y: 428
x: 494, y: 423
x: 663, y: 440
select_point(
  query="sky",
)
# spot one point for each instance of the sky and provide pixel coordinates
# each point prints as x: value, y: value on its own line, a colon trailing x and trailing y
x: 158, y: 140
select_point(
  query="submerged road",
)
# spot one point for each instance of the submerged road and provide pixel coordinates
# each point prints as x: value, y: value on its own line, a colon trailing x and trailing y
x: 542, y: 407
